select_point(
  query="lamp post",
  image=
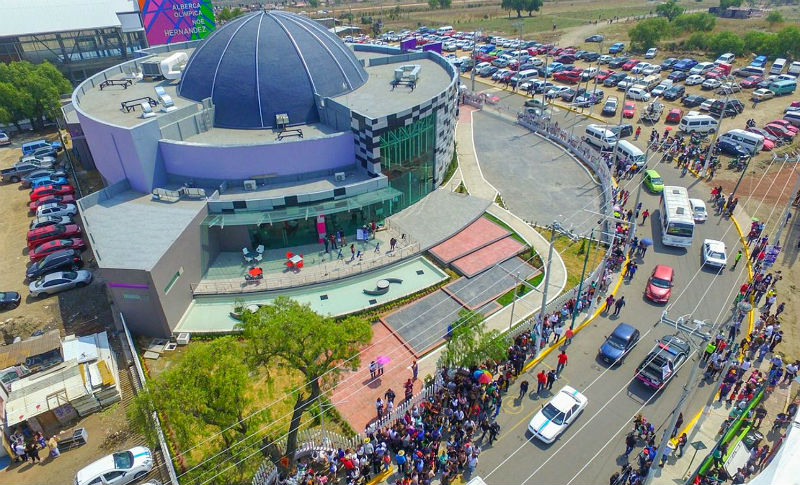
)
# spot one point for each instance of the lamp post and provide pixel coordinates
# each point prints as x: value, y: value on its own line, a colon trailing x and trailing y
x: 543, y: 308
x: 580, y: 284
x: 514, y: 301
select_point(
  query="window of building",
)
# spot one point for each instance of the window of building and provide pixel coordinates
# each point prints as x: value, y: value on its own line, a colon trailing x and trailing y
x: 173, y: 280
x: 407, y: 158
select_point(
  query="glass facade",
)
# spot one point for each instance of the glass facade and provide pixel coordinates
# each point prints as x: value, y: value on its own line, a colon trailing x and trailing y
x: 77, y: 54
x: 408, y: 157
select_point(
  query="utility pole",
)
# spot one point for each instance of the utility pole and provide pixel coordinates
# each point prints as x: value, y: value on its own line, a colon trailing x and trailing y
x: 591, y: 107
x: 580, y: 284
x: 543, y: 309
x: 716, y: 132
x: 785, y: 214
x: 514, y: 301
x: 741, y: 176
x: 474, y: 61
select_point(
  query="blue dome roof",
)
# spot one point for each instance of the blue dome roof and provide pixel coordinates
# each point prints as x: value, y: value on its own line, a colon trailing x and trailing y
x: 268, y: 63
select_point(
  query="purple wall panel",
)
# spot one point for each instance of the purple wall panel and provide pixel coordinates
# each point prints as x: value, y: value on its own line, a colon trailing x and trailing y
x: 433, y: 46
x: 241, y: 162
x: 410, y: 43
x: 101, y: 143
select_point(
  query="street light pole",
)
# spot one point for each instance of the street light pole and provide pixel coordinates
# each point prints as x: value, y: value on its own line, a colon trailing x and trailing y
x: 514, y: 301
x: 543, y: 309
x: 591, y: 107
x: 580, y: 284
x: 714, y: 136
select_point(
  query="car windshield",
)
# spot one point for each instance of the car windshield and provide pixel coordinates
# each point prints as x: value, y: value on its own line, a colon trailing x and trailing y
x: 553, y: 414
x: 712, y: 253
x: 680, y: 229
x: 616, y: 342
x: 661, y: 283
x: 699, y: 211
x: 656, y: 180
x: 123, y: 460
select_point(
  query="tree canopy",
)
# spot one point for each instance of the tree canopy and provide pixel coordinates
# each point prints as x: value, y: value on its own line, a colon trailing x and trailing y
x: 725, y: 4
x: 670, y: 9
x: 227, y: 14
x: 29, y: 91
x: 286, y: 333
x: 520, y: 6
x: 648, y: 32
x: 470, y: 344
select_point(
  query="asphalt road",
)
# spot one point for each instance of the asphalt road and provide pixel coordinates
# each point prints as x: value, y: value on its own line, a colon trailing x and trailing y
x: 589, y: 451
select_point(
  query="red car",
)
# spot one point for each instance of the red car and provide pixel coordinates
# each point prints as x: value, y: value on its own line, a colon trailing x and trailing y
x: 785, y: 124
x: 45, y: 190
x: 48, y: 233
x: 64, y: 199
x: 674, y: 115
x: 630, y: 64
x: 659, y: 286
x: 628, y: 109
x: 565, y: 59
x: 567, y: 77
x: 779, y: 131
x: 714, y: 74
x: 751, y: 82
x: 603, y: 75
x: 56, y: 245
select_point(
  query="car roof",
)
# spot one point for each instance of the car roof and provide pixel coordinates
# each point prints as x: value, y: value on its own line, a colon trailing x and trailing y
x: 652, y: 173
x: 624, y: 331
x: 663, y: 271
x: 697, y: 203
x: 714, y: 244
x: 671, y: 343
x: 566, y: 398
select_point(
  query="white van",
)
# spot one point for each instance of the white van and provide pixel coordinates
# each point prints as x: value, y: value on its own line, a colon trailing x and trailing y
x: 792, y: 117
x: 648, y: 82
x: 698, y: 124
x: 750, y: 71
x: 523, y: 76
x: 753, y: 142
x: 794, y: 69
x: 600, y: 137
x: 777, y: 66
x: 444, y: 29
x: 628, y: 151
x: 727, y: 58
x: 701, y: 68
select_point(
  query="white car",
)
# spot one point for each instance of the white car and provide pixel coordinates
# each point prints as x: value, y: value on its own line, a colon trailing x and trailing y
x: 662, y: 86
x: 714, y: 253
x: 56, y: 209
x: 59, y: 281
x: 694, y: 80
x: 589, y: 73
x: 729, y: 87
x: 605, y: 59
x: 119, y: 468
x: 638, y: 94
x: 698, y: 210
x: 706, y: 105
x: 557, y: 415
x: 762, y: 94
x: 651, y: 69
x: 637, y: 69
x: 651, y: 53
x: 555, y: 91
x: 710, y: 84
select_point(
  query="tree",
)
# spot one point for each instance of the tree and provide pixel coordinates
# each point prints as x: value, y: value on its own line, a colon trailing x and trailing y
x: 516, y: 5
x: 648, y: 32
x: 376, y: 27
x: 775, y: 17
x: 30, y: 91
x: 788, y: 40
x: 726, y: 41
x: 725, y: 4
x: 205, y: 393
x: 433, y: 4
x: 226, y: 14
x: 533, y: 6
x: 445, y: 3
x: 695, y: 22
x: 286, y: 333
x: 670, y: 9
x: 470, y: 344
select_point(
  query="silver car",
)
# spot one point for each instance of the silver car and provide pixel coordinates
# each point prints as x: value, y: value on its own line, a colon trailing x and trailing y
x: 714, y: 253
x: 60, y: 281
x: 49, y: 221
x: 56, y: 209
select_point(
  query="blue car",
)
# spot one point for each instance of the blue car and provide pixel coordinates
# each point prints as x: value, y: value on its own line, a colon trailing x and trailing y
x: 616, y: 48
x: 616, y: 347
x: 759, y: 61
x: 41, y: 182
x: 684, y: 65
x: 732, y: 149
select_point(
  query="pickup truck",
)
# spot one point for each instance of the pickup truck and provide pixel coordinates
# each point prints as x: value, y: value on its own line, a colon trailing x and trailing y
x: 662, y: 362
x: 20, y: 169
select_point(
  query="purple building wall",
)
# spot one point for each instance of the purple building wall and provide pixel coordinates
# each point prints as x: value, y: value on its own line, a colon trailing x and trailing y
x: 241, y: 162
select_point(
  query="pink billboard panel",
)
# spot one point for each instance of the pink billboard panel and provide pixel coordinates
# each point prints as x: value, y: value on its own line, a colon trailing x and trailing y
x: 170, y: 21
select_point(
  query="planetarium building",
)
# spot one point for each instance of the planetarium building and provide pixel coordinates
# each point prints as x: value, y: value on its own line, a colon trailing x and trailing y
x: 270, y: 133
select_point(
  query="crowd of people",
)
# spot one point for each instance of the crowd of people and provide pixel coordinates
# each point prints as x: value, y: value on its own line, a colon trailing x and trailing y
x: 26, y: 449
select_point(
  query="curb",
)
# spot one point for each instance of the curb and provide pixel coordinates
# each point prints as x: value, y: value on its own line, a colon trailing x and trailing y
x: 380, y: 477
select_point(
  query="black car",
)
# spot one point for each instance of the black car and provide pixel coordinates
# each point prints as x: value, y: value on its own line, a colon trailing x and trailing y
x: 66, y: 259
x: 674, y: 92
x: 733, y: 108
x: 693, y: 100
x: 579, y: 54
x: 667, y: 64
x: 618, y: 344
x: 594, y: 38
x: 662, y: 362
x: 677, y: 76
x: 570, y: 94
x: 614, y: 79
x: 733, y: 149
x: 9, y: 299
x: 591, y: 57
x: 617, y: 62
x: 622, y: 131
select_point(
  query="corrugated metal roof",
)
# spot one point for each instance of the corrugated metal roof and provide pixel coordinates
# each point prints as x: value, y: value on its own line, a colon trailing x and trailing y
x: 16, y: 354
x: 45, y: 391
x: 22, y: 17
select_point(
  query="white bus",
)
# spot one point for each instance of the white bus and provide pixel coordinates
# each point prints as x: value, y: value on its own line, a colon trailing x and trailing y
x: 677, y: 222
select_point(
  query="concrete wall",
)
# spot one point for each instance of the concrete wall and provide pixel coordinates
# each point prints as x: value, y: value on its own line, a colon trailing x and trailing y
x: 246, y: 161
x: 135, y: 295
x: 231, y: 238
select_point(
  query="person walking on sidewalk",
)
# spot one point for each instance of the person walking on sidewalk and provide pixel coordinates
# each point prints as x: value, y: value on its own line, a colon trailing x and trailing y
x: 541, y: 381
x: 618, y: 305
x: 568, y: 336
x: 551, y: 378
x: 682, y: 439
x: 523, y: 389
x: 678, y: 425
x: 414, y: 370
x: 630, y: 444
x: 562, y: 361
x: 645, y: 215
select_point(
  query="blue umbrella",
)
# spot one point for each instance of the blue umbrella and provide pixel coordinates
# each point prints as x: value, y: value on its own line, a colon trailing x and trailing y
x: 646, y: 241
x: 477, y: 373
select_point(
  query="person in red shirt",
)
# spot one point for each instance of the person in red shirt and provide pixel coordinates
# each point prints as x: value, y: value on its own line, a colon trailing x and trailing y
x: 562, y: 361
x: 568, y: 336
x: 541, y: 379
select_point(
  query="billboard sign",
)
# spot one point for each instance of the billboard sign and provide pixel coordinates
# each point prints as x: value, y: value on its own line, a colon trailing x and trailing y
x: 170, y: 21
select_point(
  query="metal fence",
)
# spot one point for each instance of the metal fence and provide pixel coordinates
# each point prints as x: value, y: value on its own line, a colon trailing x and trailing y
x: 400, y: 409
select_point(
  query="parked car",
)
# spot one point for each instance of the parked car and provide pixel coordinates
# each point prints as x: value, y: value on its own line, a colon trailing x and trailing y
x: 651, y: 69
x: 589, y: 98
x: 769, y: 138
x: 65, y: 259
x: 614, y: 79
x: 567, y: 77
x: 699, y: 212
x: 684, y: 65
x: 623, y: 130
x: 555, y: 416
x: 751, y: 81
x: 605, y: 59
x: 40, y: 192
x: 674, y: 115
x: 759, y: 61
x: 61, y: 281
x: 779, y: 131
x: 668, y: 63
x: 638, y: 94
x: 57, y: 245
x: 662, y: 86
x: 674, y: 92
x: 9, y: 299
x: 630, y: 64
x: 595, y: 38
x: 730, y: 148
x: 637, y: 69
x: 732, y: 108
x: 41, y: 235
x: 56, y: 209
x: 4, y: 138
x: 628, y: 109
x: 713, y: 254
x: 22, y: 168
x: 602, y: 75
x: 710, y: 84
x: 588, y: 73
x: 651, y: 53
x: 677, y: 76
x: 728, y: 88
x: 43, y: 178
x: 43, y: 221
x: 617, y: 62
x: 570, y: 94
x: 555, y: 92
x: 49, y: 199
x: 662, y: 362
x: 616, y: 48
x: 694, y: 80
x: 617, y: 345
x: 706, y: 105
x: 566, y: 59
x: 591, y: 57
x: 762, y: 94
x: 786, y: 124
x: 42, y: 173
x: 659, y: 285
x: 693, y: 100
x: 610, y: 106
